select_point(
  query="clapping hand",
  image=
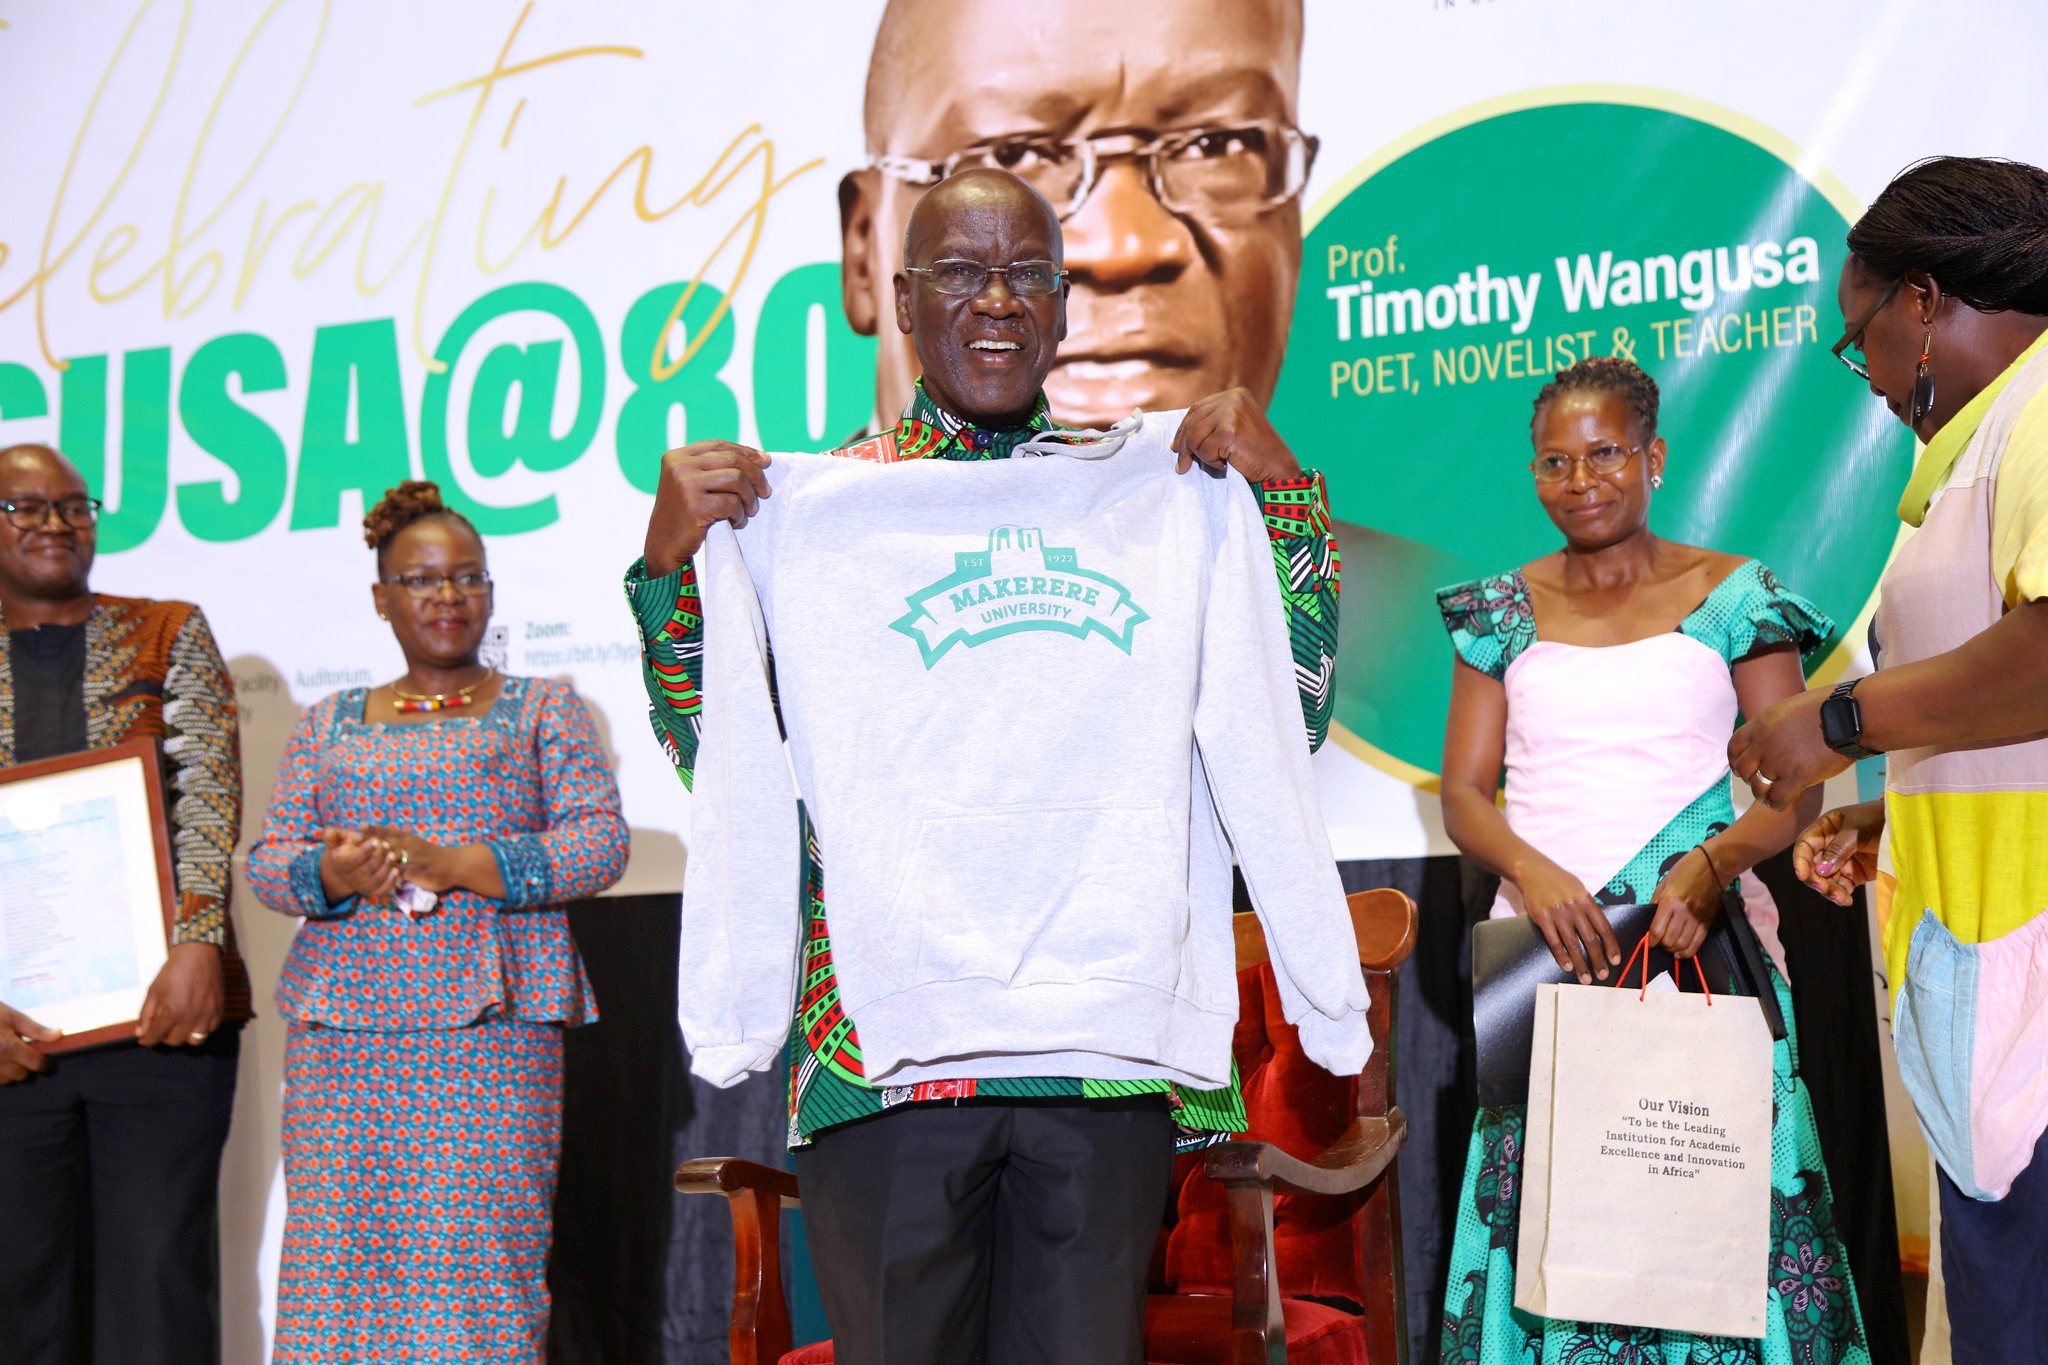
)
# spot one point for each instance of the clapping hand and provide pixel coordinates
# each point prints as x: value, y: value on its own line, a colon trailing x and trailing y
x: 357, y: 864
x: 420, y: 861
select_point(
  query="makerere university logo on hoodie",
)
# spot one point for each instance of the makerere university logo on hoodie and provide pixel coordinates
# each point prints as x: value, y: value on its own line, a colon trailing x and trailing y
x: 1018, y: 583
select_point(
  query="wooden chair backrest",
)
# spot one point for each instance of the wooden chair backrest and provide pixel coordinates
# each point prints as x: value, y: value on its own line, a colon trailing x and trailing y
x: 1383, y: 920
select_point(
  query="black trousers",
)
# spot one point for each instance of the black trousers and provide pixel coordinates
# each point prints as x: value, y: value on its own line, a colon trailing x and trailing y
x: 109, y: 1168
x: 989, y: 1232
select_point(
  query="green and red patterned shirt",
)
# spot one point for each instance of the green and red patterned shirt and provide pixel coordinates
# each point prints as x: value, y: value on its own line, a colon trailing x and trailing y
x: 827, y: 1083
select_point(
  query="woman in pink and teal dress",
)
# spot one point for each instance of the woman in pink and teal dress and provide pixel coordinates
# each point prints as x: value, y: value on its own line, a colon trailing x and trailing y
x: 428, y: 832
x: 1606, y: 678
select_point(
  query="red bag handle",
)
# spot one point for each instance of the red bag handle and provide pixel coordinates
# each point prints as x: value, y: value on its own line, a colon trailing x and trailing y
x: 1643, y: 951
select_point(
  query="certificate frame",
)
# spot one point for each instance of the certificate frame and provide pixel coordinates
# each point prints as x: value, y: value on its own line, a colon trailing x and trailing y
x: 95, y: 767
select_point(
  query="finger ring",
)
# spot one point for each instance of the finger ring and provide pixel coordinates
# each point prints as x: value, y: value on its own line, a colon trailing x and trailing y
x: 403, y: 857
x: 1765, y: 780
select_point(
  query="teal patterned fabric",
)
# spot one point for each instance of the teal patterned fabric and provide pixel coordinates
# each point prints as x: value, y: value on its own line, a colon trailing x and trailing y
x: 1492, y: 620
x: 1712, y: 811
x: 1751, y: 610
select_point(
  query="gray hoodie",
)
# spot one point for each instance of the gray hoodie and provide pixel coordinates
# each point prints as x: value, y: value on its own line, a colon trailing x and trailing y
x: 1031, y: 707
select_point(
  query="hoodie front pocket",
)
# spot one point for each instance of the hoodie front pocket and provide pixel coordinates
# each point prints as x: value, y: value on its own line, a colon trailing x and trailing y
x: 1038, y: 895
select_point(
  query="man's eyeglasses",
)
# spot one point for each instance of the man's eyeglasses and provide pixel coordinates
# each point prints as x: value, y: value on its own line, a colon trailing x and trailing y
x: 29, y: 514
x: 470, y: 583
x: 1027, y: 279
x: 1854, y: 336
x: 1192, y: 171
x: 1606, y: 461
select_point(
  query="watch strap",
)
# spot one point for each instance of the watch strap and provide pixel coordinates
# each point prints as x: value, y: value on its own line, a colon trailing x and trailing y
x: 1851, y: 747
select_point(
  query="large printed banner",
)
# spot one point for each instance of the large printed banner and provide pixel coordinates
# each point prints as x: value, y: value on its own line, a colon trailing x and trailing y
x: 264, y: 261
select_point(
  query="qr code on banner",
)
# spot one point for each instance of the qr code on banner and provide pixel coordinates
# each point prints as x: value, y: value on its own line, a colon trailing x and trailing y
x: 495, y: 652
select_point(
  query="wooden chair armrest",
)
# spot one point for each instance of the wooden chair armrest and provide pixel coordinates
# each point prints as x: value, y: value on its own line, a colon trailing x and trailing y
x: 1356, y: 1159
x: 755, y: 1195
x: 1250, y: 1172
x: 729, y: 1174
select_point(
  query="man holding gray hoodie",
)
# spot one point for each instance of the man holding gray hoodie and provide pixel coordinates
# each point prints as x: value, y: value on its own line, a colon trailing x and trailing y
x: 960, y: 1204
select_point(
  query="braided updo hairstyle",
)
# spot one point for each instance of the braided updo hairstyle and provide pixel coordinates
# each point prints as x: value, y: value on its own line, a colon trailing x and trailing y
x: 1604, y: 374
x: 1978, y: 225
x: 412, y: 501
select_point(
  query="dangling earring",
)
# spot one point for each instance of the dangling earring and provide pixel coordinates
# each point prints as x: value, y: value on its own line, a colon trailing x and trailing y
x: 1923, y: 381
x: 1656, y: 481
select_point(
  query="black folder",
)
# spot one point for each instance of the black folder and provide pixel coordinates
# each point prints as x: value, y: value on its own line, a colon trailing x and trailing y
x: 1510, y: 960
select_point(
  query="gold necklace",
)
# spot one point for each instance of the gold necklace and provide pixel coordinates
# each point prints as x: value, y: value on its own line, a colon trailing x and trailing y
x: 412, y: 702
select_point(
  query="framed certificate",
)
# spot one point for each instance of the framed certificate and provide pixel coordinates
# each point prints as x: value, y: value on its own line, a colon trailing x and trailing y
x: 86, y: 899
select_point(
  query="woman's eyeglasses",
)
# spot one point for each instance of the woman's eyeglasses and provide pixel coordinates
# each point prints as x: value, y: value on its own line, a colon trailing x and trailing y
x: 1854, y: 336
x: 470, y: 583
x: 1605, y: 461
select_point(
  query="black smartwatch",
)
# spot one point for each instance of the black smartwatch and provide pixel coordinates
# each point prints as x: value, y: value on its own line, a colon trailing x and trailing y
x: 1841, y: 722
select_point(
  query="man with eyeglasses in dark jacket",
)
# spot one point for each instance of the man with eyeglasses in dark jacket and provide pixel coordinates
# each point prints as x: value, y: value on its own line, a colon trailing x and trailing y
x: 110, y: 1157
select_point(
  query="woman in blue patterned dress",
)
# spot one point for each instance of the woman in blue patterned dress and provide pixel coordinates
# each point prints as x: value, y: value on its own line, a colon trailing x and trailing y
x: 428, y: 832
x: 1605, y: 678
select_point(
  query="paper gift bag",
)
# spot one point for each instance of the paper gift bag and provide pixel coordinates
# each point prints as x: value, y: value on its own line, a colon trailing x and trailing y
x: 1647, y: 1171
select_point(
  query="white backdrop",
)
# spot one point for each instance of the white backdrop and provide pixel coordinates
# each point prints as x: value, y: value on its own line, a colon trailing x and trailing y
x: 177, y: 174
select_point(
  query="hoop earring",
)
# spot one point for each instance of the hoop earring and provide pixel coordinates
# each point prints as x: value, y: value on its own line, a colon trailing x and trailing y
x: 1923, y: 381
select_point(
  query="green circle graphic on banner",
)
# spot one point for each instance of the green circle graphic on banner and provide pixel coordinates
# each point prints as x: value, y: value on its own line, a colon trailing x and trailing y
x: 1444, y: 282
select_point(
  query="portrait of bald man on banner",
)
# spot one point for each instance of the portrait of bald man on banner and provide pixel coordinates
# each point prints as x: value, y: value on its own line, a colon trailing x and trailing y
x: 1164, y: 134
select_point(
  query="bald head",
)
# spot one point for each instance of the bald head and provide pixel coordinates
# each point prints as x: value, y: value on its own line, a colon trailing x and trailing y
x: 960, y: 203
x: 33, y: 458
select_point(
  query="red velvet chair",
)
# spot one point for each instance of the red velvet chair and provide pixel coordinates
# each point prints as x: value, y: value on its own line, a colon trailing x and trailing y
x: 1285, y: 1246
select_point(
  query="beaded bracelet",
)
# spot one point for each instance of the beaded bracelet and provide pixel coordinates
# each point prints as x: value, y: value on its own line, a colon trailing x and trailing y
x: 1715, y: 871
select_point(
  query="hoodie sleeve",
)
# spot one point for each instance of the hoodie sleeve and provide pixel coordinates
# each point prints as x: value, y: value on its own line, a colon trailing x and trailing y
x: 1248, y: 731
x: 737, y: 970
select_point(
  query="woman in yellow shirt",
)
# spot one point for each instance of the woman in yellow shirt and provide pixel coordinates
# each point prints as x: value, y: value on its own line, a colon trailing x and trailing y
x: 1945, y: 297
